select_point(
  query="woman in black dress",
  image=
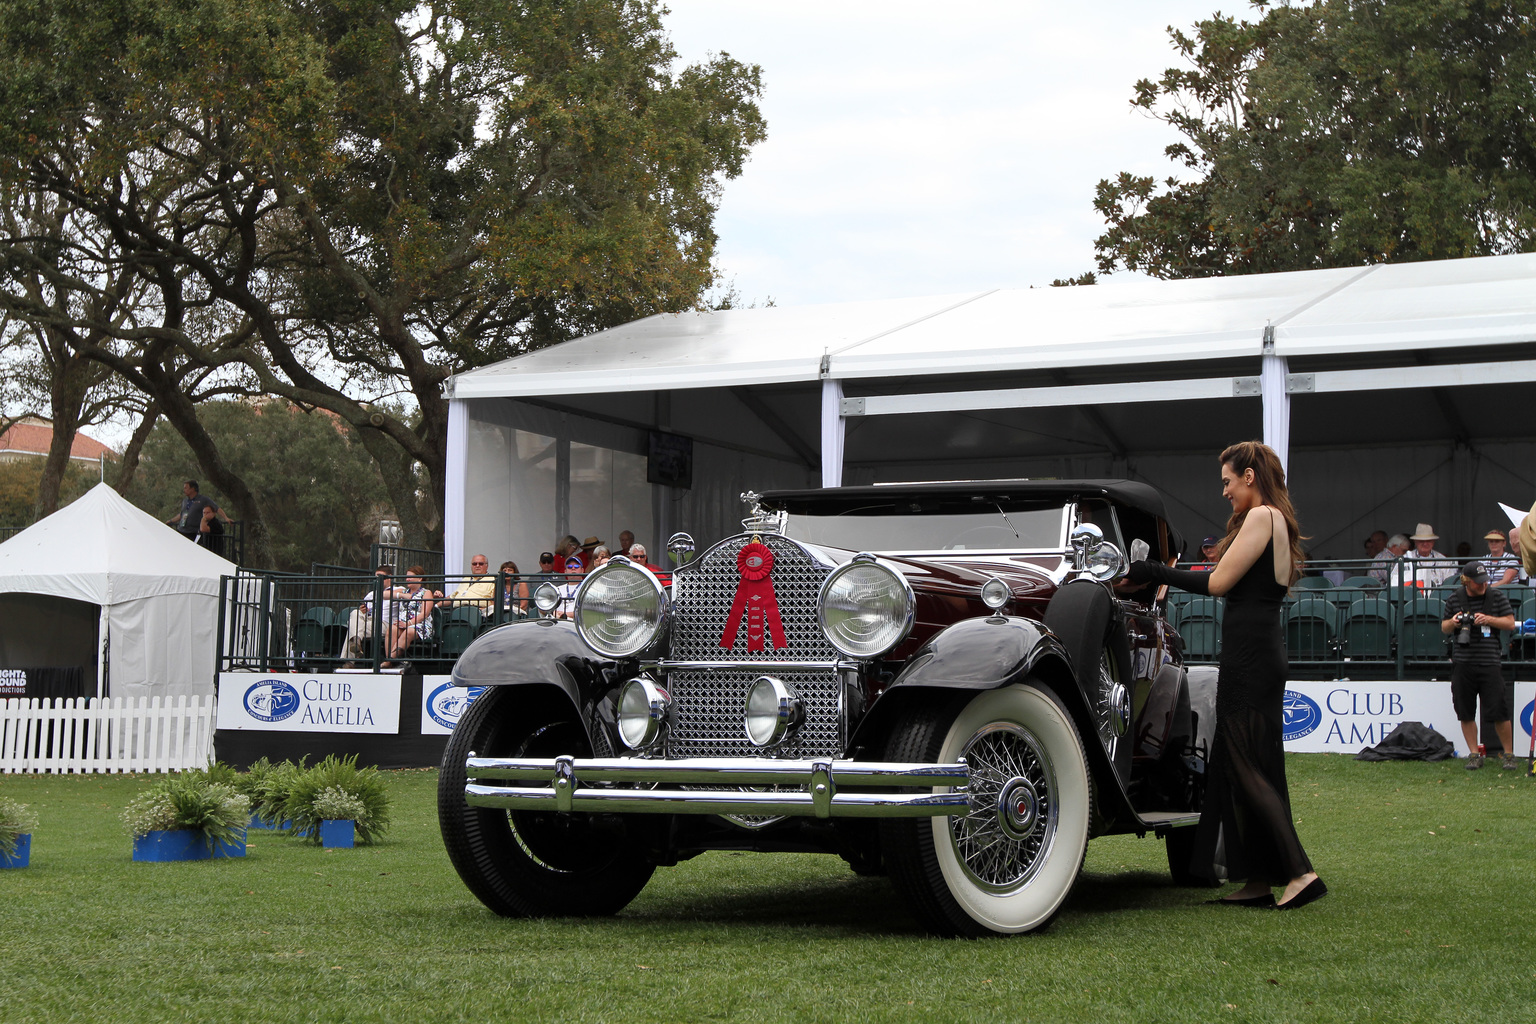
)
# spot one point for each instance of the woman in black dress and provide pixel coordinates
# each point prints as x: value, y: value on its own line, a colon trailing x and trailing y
x: 1245, y: 830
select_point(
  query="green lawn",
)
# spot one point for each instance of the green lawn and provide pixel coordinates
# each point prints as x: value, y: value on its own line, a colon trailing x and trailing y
x: 1429, y: 919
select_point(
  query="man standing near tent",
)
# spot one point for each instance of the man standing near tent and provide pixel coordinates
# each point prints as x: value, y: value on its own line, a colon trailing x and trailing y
x: 189, y: 521
x: 1474, y: 616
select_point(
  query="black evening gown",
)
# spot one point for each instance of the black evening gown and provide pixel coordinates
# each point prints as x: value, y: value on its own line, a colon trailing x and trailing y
x: 1246, y: 832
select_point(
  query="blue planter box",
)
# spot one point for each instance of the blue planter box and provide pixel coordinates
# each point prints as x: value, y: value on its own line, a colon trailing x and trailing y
x: 182, y: 844
x: 338, y: 833
x: 23, y: 855
x: 268, y: 826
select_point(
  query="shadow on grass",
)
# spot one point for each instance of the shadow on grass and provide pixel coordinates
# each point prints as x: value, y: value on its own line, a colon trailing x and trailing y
x: 1104, y: 893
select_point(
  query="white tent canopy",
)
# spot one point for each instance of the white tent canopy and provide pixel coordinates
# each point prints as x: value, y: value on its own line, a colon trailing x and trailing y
x: 1376, y: 378
x: 157, y: 593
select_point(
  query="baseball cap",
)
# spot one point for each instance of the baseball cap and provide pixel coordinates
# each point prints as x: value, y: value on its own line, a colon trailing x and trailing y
x: 1473, y: 571
x: 546, y: 556
x: 1210, y: 541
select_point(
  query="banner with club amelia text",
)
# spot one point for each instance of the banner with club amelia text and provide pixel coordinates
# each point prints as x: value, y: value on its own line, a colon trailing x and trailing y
x: 443, y: 704
x: 305, y: 702
x: 1344, y: 716
x: 1525, y: 708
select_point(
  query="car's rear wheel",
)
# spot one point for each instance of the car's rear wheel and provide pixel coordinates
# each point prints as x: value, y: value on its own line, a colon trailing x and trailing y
x: 531, y: 863
x: 1009, y: 864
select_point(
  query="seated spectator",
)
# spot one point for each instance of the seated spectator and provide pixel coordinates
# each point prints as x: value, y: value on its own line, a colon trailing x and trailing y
x: 569, y: 547
x: 1429, y: 567
x: 588, y: 548
x: 574, y: 570
x: 360, y: 622
x: 1376, y: 543
x: 515, y: 594
x: 1502, y: 567
x: 1385, y: 566
x: 1208, y: 549
x: 600, y: 556
x: 479, y: 590
x: 637, y: 554
x: 414, y: 621
x: 626, y: 541
x: 547, y: 568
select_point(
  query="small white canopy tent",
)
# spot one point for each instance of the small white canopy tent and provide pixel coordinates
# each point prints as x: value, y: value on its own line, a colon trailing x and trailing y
x: 1397, y: 394
x: 157, y: 596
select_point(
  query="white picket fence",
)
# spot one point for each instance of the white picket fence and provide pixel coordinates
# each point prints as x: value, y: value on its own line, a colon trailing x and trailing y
x: 106, y: 734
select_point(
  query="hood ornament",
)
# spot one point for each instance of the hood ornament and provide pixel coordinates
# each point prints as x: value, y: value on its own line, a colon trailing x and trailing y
x: 760, y: 519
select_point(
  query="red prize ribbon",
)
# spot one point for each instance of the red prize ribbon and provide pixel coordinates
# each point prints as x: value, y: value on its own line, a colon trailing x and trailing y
x: 755, y: 601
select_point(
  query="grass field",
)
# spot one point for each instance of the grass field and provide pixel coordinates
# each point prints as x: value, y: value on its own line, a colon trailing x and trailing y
x: 1430, y: 918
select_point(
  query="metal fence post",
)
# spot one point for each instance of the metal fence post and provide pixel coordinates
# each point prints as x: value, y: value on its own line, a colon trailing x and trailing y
x: 264, y: 618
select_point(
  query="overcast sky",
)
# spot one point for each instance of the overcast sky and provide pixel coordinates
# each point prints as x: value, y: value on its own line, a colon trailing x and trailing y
x: 924, y: 148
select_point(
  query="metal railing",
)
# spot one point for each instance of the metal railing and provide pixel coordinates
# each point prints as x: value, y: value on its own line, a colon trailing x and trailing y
x: 1343, y: 620
x: 402, y: 558
x: 332, y: 622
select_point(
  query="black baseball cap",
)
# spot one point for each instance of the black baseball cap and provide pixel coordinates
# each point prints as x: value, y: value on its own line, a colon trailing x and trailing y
x: 546, y: 556
x: 1473, y: 572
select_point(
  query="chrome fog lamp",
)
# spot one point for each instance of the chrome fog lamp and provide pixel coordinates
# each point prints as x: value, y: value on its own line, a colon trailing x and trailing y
x: 773, y: 711
x: 644, y: 711
x: 865, y: 608
x: 621, y: 608
x: 546, y: 596
x: 995, y: 594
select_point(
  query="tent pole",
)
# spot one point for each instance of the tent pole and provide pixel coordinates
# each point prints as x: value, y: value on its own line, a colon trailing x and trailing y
x: 1277, y: 402
x: 453, y: 486
x: 832, y: 432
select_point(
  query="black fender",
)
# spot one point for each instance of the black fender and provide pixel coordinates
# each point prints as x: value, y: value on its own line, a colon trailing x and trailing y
x: 547, y: 653
x: 987, y: 653
x: 1081, y: 613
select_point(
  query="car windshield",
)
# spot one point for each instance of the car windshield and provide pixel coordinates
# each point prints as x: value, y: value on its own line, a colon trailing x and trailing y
x: 882, y: 530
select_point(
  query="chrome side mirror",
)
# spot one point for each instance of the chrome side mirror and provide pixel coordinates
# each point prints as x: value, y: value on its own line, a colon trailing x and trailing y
x: 1093, y: 556
x: 680, y: 548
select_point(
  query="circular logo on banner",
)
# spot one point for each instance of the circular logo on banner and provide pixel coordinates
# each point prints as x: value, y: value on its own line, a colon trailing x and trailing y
x: 1300, y: 715
x: 1525, y: 717
x: 446, y: 703
x: 271, y: 700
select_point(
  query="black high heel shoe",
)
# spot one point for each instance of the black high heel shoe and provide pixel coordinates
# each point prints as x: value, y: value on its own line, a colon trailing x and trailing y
x: 1264, y: 902
x: 1315, y: 890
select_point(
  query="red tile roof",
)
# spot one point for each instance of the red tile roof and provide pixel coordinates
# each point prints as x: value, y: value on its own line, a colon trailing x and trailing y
x: 33, y: 435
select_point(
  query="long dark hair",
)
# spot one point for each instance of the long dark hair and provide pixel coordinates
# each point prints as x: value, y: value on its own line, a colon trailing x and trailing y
x: 1269, y: 478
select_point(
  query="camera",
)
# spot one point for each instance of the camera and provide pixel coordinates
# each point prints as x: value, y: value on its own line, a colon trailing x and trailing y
x: 1464, y: 622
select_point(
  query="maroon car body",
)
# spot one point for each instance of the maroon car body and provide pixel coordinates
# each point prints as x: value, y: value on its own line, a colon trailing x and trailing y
x: 946, y: 682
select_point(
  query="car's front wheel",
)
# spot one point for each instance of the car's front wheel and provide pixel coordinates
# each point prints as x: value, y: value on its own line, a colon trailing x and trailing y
x: 531, y: 863
x: 1009, y: 864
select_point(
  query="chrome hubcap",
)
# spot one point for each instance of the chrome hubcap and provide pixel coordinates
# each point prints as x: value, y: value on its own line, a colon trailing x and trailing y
x: 1018, y: 808
x: 1114, y: 712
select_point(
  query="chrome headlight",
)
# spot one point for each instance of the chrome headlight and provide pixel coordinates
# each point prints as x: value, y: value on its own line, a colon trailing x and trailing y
x: 621, y: 608
x: 995, y: 593
x: 645, y: 710
x: 865, y: 608
x: 546, y: 597
x: 773, y: 711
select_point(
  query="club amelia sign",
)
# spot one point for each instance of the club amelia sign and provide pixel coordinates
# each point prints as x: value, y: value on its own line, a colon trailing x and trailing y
x: 297, y: 702
x: 1343, y: 717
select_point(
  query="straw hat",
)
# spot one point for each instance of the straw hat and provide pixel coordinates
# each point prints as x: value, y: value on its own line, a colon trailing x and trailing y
x: 1424, y: 532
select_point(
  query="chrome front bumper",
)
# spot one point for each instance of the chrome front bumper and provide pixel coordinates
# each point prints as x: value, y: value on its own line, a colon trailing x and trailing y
x: 641, y: 786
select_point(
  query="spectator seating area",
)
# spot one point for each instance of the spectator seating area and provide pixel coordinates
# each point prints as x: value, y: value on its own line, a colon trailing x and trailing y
x: 1338, y: 627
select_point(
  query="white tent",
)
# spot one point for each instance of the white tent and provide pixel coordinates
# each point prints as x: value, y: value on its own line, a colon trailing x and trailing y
x: 155, y: 593
x: 1398, y: 394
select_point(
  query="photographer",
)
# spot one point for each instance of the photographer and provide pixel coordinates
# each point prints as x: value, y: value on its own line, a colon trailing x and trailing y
x: 1477, y: 613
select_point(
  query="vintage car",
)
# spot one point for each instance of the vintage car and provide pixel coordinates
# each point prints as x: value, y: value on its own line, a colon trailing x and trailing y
x: 944, y: 682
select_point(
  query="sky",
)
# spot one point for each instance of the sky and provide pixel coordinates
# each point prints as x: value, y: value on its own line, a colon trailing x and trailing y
x: 926, y: 148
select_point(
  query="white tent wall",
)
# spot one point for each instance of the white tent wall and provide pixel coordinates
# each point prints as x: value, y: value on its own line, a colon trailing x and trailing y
x: 163, y: 646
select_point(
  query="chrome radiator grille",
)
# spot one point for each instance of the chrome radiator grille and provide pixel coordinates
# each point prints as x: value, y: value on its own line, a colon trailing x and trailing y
x: 703, y: 593
x: 708, y: 703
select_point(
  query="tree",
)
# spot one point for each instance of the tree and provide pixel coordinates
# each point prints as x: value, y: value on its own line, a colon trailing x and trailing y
x: 1339, y: 133
x: 321, y: 500
x: 379, y: 195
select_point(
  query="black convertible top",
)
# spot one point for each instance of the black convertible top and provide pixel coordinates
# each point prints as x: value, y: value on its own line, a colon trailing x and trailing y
x: 959, y: 496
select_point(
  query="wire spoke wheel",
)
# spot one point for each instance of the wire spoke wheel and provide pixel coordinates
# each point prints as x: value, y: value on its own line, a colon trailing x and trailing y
x: 1009, y: 863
